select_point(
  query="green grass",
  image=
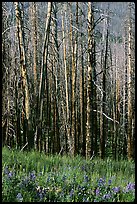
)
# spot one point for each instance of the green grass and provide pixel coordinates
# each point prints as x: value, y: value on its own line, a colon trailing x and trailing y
x: 40, y: 177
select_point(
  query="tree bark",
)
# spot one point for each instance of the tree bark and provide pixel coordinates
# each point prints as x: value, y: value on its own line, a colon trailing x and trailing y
x: 89, y: 147
x: 129, y: 137
x: 25, y: 88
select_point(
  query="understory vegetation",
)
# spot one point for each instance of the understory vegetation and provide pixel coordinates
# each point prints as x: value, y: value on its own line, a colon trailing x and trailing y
x: 33, y: 176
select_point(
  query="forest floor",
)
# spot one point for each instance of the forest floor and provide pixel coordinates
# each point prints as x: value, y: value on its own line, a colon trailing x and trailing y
x: 36, y: 177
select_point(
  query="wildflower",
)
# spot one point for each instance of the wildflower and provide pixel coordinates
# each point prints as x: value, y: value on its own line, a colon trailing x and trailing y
x: 116, y: 189
x: 83, y: 168
x: 10, y: 174
x: 71, y: 192
x: 107, y: 196
x: 32, y: 176
x: 6, y: 170
x: 109, y: 182
x: 41, y: 196
x: 101, y: 182
x: 86, y: 179
x: 130, y: 186
x: 19, y: 197
x: 97, y: 191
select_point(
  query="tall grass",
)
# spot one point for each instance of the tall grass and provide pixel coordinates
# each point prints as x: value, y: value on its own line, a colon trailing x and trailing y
x: 63, y: 177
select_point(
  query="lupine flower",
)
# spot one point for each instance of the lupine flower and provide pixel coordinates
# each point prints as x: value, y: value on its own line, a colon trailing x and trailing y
x: 19, y: 197
x: 41, y: 196
x: 107, y: 196
x: 71, y: 192
x: 83, y: 168
x: 130, y: 186
x: 86, y: 179
x: 32, y: 176
x: 109, y: 182
x: 101, y: 182
x: 10, y: 174
x: 116, y: 189
x: 97, y: 191
x: 6, y: 170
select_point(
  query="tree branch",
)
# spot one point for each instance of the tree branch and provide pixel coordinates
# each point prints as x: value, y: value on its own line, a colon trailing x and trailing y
x: 107, y: 116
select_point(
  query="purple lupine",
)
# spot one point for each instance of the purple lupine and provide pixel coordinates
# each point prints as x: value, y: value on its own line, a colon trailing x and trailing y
x: 71, y: 192
x: 32, y: 176
x: 109, y: 182
x: 101, y: 182
x: 130, y: 186
x: 107, y: 196
x: 10, y: 174
x: 6, y: 170
x: 116, y: 189
x: 97, y: 191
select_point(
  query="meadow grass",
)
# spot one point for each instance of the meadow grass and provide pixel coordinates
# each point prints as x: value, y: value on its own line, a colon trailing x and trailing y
x: 33, y: 176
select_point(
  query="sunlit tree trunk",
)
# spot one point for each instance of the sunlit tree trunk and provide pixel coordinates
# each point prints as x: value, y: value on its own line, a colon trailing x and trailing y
x: 44, y: 76
x: 66, y: 86
x: 34, y: 13
x: 73, y: 85
x: 129, y: 137
x: 89, y: 147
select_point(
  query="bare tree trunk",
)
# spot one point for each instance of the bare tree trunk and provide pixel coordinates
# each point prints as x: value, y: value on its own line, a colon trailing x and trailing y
x: 44, y: 76
x: 24, y: 74
x: 34, y: 12
x: 66, y: 87
x: 76, y: 105
x: 104, y: 128
x: 89, y: 147
x: 73, y: 114
x: 129, y: 138
x: 55, y: 79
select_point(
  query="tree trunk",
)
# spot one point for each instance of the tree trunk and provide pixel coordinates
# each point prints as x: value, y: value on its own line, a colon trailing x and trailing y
x: 25, y: 88
x: 44, y: 76
x: 73, y: 85
x: 129, y: 136
x: 69, y: 138
x: 89, y: 147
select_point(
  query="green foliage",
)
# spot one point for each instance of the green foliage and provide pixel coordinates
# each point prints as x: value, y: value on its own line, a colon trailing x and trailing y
x: 36, y: 177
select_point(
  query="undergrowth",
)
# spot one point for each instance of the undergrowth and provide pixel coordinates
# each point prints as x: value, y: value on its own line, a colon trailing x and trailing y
x: 36, y: 177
